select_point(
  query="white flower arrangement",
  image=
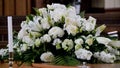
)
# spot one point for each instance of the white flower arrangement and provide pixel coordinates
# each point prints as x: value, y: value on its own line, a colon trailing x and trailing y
x: 58, y: 35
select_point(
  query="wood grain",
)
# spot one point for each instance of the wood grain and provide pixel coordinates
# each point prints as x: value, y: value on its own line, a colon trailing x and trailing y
x: 9, y: 7
x: 21, y: 7
x: 1, y: 7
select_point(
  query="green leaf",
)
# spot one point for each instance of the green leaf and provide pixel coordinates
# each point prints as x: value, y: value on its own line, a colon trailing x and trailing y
x: 66, y: 60
x: 82, y: 14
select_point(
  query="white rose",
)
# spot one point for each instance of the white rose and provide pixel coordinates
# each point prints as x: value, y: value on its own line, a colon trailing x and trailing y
x: 103, y: 40
x: 79, y: 41
x: 83, y: 54
x: 45, y: 24
x: 47, y: 57
x: 67, y: 44
x: 22, y: 33
x: 71, y: 29
x: 89, y: 41
x: 46, y: 38
x: 56, y: 32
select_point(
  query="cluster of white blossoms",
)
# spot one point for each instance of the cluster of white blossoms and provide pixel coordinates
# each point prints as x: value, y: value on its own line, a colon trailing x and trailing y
x: 3, y: 52
x: 83, y: 54
x: 47, y: 57
x: 63, y: 29
x: 105, y: 57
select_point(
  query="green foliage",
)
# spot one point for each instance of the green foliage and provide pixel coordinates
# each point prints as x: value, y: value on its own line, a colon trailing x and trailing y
x: 82, y: 14
x: 65, y: 60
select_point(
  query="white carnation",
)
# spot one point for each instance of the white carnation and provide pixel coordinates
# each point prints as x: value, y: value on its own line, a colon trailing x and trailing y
x: 105, y: 57
x: 67, y: 44
x: 46, y: 38
x: 103, y: 40
x: 71, y: 29
x: 83, y: 54
x: 56, y: 32
x: 47, y: 57
x: 57, y: 41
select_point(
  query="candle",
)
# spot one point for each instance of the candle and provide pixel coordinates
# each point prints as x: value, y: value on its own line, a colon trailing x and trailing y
x: 10, y: 34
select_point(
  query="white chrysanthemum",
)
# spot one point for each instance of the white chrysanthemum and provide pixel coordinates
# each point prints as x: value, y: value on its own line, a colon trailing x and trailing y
x: 46, y: 38
x: 105, y: 57
x: 71, y: 29
x: 57, y: 41
x: 47, y: 57
x: 83, y: 54
x: 56, y: 32
x: 3, y: 52
x: 67, y: 44
x: 79, y: 41
x: 45, y: 24
x: 22, y: 33
x: 28, y: 40
x: 103, y: 40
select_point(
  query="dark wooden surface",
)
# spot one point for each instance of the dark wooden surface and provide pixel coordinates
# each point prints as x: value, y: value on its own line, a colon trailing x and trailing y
x: 5, y: 65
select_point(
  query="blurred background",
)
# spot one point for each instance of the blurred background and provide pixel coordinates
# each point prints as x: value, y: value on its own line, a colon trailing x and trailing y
x: 105, y: 11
